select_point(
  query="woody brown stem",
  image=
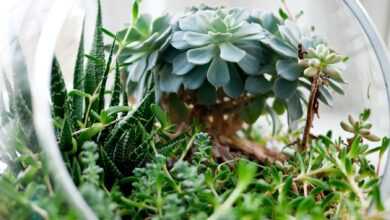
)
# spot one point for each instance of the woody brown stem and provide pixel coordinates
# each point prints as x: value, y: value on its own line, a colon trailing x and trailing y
x: 311, y: 110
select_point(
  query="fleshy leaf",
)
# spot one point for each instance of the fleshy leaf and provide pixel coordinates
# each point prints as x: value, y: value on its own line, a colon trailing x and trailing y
x: 202, y: 55
x: 194, y: 79
x: 258, y: 85
x: 250, y: 65
x: 284, y: 89
x: 196, y: 39
x: 181, y: 66
x: 289, y: 69
x: 231, y: 53
x: 235, y: 86
x: 218, y: 73
x: 168, y: 81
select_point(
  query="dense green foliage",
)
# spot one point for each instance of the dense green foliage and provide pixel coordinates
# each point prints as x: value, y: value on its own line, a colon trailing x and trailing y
x: 128, y: 161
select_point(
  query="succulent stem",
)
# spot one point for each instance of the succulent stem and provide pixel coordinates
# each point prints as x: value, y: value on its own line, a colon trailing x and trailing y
x: 312, y: 109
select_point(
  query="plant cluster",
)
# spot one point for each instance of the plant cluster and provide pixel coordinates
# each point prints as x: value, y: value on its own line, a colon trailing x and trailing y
x: 219, y: 53
x: 133, y: 162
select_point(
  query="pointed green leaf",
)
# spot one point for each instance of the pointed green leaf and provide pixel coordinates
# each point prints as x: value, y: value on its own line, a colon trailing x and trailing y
x: 58, y: 90
x: 95, y: 69
x: 78, y: 82
x: 66, y: 141
x: 116, y: 91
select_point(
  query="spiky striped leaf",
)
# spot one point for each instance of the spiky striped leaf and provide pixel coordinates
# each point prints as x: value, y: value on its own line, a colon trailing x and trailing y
x: 66, y: 143
x: 116, y: 91
x: 58, y: 90
x: 95, y: 68
x: 105, y: 77
x: 78, y: 82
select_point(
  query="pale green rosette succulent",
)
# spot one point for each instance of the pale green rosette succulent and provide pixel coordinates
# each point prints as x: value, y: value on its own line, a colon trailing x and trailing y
x: 144, y: 44
x: 213, y: 48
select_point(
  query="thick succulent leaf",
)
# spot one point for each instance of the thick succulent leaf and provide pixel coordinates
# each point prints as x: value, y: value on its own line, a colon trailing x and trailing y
x: 202, y: 55
x: 279, y: 46
x: 284, y: 89
x: 247, y: 29
x: 131, y: 57
x: 137, y: 69
x: 152, y: 60
x: 194, y: 79
x: 253, y: 48
x: 289, y: 69
x: 161, y: 24
x: 270, y: 22
x: 181, y: 66
x: 178, y: 41
x: 196, y: 39
x: 258, y: 85
x: 206, y: 94
x: 291, y: 33
x: 250, y: 65
x: 218, y: 26
x: 231, y: 53
x: 218, y: 72
x: 194, y: 23
x: 253, y: 110
x: 144, y: 24
x: 294, y: 107
x: 78, y: 81
x: 235, y: 86
x: 168, y: 81
x: 58, y: 90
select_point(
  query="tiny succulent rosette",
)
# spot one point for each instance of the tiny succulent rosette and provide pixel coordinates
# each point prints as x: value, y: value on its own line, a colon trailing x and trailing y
x: 321, y: 61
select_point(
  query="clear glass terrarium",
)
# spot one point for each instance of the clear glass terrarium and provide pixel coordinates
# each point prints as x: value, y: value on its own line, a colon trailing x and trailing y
x: 35, y: 33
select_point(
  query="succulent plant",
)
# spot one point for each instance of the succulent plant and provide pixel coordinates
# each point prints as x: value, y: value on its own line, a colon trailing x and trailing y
x: 323, y: 62
x: 143, y: 45
x: 214, y: 44
x: 360, y: 127
x: 216, y: 52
